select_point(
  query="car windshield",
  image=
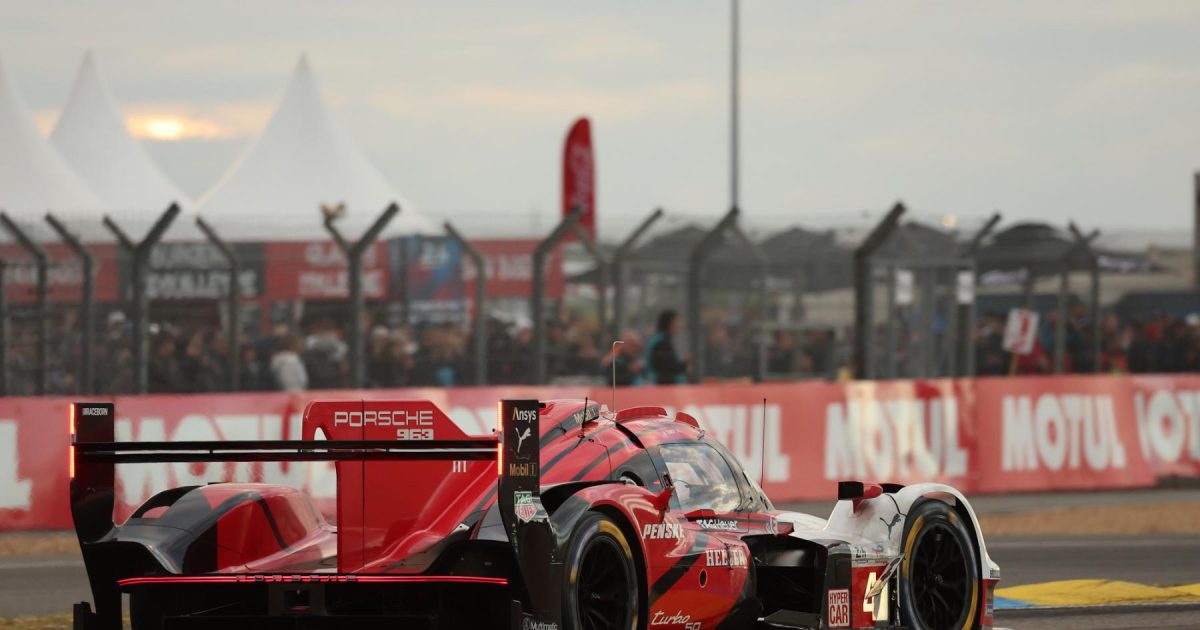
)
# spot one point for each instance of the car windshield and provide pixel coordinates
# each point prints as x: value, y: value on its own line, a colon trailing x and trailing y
x: 702, y: 478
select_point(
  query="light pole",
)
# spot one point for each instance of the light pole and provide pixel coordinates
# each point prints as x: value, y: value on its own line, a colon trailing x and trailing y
x: 734, y: 167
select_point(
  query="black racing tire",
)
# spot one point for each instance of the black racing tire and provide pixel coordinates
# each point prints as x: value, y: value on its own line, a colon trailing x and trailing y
x: 939, y: 576
x: 600, y: 590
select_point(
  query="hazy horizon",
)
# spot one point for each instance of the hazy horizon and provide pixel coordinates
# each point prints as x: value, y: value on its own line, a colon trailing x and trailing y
x: 1075, y: 110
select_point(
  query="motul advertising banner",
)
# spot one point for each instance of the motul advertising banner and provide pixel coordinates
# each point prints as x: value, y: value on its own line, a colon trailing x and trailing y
x: 579, y: 175
x: 980, y: 435
x: 1060, y: 433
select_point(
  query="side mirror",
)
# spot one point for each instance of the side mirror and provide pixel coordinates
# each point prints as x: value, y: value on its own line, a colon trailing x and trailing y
x: 662, y: 500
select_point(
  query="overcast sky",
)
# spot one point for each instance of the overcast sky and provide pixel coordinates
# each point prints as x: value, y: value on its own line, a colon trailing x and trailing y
x: 1087, y: 110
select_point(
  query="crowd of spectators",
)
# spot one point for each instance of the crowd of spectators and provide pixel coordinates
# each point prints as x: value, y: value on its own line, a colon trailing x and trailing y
x: 316, y: 355
x: 1160, y: 343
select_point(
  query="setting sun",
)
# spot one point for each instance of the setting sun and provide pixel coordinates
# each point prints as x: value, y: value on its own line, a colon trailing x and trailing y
x: 164, y: 128
x: 172, y: 127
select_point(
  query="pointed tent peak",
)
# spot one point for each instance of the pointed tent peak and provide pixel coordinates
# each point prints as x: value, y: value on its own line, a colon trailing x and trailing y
x: 89, y: 84
x: 301, y: 159
x: 89, y: 61
x: 34, y: 178
x: 93, y: 136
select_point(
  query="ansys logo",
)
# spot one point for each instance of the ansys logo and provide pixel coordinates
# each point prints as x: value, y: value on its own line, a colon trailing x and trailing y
x: 522, y: 436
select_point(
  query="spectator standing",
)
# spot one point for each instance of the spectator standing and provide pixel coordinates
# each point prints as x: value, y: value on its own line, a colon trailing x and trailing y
x: 164, y: 375
x: 288, y: 368
x: 325, y: 356
x: 664, y: 366
x: 252, y: 372
x: 627, y: 357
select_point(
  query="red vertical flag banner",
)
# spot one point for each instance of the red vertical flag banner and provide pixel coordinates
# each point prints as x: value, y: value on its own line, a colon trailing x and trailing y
x: 579, y: 175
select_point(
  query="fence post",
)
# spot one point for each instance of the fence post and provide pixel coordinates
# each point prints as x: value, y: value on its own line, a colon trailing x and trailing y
x: 696, y: 259
x: 42, y: 311
x: 1064, y: 270
x: 972, y: 316
x: 864, y: 291
x: 967, y: 312
x: 479, y: 322
x: 3, y: 328
x: 87, y: 306
x: 1196, y: 230
x: 889, y: 350
x: 234, y: 303
x: 764, y: 269
x: 140, y: 253
x: 538, y: 299
x: 354, y: 253
x: 927, y: 280
x: 1060, y: 324
x: 620, y: 270
x: 601, y: 275
x: 1085, y: 243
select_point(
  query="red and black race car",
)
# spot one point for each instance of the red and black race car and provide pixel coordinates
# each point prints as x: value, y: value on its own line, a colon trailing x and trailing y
x: 569, y: 516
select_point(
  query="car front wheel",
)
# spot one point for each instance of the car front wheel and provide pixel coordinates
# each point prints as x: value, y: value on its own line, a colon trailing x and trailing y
x: 939, y: 582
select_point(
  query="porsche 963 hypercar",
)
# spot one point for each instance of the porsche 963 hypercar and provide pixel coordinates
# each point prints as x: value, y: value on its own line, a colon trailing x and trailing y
x: 569, y: 516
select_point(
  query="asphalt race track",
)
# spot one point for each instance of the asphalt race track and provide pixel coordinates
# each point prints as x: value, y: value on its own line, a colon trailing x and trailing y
x: 41, y: 585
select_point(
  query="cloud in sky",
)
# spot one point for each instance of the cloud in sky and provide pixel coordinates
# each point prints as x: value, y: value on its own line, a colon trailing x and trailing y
x: 1079, y: 109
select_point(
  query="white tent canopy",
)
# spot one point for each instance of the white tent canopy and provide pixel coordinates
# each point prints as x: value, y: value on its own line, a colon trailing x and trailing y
x: 34, y: 178
x: 91, y: 134
x: 302, y: 159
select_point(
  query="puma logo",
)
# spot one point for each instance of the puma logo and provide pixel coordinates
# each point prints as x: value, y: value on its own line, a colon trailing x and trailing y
x: 895, y: 519
x: 521, y: 437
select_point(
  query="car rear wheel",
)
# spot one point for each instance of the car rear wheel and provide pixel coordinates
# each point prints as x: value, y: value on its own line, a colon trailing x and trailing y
x: 939, y: 582
x: 601, y: 586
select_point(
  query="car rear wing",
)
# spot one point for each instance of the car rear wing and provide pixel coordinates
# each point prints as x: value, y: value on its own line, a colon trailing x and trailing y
x: 95, y: 454
x: 431, y: 436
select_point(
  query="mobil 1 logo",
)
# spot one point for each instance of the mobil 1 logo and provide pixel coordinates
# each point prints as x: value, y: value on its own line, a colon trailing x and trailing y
x: 520, y: 425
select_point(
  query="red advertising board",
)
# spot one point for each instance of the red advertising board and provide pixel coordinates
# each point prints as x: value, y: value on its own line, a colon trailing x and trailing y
x: 316, y: 270
x: 65, y: 273
x: 980, y: 435
x: 510, y: 268
x: 1071, y: 432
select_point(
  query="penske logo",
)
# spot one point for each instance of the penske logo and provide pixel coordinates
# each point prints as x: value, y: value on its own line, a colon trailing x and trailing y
x: 662, y: 531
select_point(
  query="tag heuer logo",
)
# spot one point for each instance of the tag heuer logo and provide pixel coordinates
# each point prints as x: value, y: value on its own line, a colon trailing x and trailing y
x: 523, y: 506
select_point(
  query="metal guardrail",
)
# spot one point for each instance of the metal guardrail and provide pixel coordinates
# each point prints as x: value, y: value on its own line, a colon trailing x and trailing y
x: 140, y: 252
